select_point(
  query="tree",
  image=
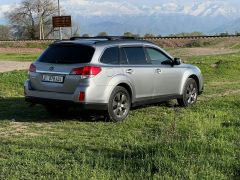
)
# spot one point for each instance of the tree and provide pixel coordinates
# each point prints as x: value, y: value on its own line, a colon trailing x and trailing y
x: 76, y: 32
x: 32, y: 19
x: 147, y: 35
x: 183, y: 34
x: 102, y: 34
x: 5, y: 33
x: 85, y: 35
x: 237, y: 33
x: 128, y: 34
x: 224, y: 34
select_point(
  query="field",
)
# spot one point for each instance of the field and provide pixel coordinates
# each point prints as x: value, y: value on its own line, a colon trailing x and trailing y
x: 155, y: 142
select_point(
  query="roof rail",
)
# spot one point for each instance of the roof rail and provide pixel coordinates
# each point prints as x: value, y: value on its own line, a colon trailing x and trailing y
x: 109, y: 38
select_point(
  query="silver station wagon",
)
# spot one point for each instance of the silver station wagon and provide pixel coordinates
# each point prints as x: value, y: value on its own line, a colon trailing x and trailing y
x: 111, y: 74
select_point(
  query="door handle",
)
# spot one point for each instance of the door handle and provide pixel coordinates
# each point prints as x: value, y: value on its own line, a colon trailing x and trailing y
x: 158, y: 71
x: 129, y: 71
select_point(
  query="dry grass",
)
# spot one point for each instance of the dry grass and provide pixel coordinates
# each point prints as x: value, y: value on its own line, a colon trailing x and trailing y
x: 21, y: 50
x: 26, y: 129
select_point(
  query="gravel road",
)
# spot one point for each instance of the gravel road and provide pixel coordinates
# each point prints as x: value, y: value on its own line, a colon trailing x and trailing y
x: 6, y: 66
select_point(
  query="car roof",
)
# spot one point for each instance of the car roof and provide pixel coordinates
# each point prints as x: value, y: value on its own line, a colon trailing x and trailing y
x: 104, y: 42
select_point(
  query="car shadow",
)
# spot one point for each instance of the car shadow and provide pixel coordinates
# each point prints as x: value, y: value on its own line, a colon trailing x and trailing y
x: 16, y: 109
x: 169, y: 104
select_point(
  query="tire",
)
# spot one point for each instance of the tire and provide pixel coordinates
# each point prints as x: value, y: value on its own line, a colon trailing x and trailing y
x: 119, y: 104
x: 190, y: 94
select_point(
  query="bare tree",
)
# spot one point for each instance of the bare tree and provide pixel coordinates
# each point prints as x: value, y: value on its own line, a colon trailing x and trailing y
x: 75, y: 30
x: 5, y: 33
x: 32, y: 19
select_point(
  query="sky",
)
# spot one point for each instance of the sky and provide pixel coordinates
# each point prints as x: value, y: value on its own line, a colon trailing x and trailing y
x: 116, y: 7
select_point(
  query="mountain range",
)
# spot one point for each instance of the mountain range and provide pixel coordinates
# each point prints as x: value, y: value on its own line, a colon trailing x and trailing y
x: 159, y: 17
x: 168, y: 18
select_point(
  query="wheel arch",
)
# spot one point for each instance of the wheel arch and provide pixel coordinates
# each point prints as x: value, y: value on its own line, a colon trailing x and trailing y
x: 193, y: 76
x: 186, y: 77
x: 128, y: 88
x: 122, y: 81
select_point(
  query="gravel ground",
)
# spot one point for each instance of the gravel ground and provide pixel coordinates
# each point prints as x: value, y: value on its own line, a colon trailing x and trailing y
x: 20, y: 50
x: 201, y: 51
x: 6, y: 66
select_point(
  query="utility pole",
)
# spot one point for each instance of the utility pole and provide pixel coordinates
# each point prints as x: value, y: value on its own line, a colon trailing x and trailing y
x: 59, y: 14
x: 40, y: 29
x: 43, y: 35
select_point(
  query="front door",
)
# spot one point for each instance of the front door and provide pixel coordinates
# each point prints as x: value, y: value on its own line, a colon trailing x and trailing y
x: 167, y: 78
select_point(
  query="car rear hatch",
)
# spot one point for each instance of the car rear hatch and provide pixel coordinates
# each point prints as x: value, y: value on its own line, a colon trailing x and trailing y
x: 54, y: 67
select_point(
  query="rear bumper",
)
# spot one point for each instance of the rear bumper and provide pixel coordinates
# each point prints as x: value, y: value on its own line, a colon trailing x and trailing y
x: 45, y: 97
x: 87, y: 106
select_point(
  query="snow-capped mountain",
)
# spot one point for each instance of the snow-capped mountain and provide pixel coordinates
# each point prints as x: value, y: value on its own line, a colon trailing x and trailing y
x: 211, y: 9
x: 161, y: 18
x: 205, y: 9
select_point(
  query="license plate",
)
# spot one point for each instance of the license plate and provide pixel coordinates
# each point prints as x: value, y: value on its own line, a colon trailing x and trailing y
x: 55, y: 79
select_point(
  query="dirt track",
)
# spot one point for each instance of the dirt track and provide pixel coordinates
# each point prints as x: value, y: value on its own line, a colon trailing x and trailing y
x: 20, y: 50
x: 202, y: 51
x: 6, y: 66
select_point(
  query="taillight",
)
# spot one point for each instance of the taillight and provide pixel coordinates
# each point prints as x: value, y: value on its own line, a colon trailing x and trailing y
x: 81, y: 96
x: 32, y: 68
x: 86, y: 71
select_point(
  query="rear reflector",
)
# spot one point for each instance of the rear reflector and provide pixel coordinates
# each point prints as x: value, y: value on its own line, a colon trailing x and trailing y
x: 86, y: 71
x: 82, y: 96
x: 32, y: 68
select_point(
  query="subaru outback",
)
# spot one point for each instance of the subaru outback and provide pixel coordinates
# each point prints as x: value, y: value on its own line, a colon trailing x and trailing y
x: 111, y: 74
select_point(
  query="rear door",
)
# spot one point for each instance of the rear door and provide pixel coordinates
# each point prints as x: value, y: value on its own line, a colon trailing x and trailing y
x: 54, y: 66
x: 135, y: 67
x: 167, y: 78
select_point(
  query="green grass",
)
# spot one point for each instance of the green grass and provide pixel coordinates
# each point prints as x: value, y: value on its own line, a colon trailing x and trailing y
x: 227, y: 70
x: 18, y: 56
x: 156, y: 142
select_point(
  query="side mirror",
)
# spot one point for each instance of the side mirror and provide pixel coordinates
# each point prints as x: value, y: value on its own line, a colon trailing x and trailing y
x: 177, y: 61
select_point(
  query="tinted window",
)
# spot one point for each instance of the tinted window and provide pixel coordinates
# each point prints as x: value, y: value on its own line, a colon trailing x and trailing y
x: 135, y: 55
x: 110, y: 56
x: 67, y: 54
x: 157, y: 57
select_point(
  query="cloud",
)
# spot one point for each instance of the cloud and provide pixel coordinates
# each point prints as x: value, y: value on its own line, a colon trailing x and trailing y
x: 4, y: 9
x: 90, y: 8
x: 101, y: 8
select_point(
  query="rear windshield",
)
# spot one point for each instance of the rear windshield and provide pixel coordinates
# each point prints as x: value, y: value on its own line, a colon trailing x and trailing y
x: 67, y: 54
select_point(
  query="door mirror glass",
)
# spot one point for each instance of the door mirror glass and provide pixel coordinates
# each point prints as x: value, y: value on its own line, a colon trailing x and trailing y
x: 177, y: 61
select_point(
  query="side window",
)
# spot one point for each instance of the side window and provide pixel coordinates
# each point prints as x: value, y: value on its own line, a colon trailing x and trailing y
x: 110, y: 56
x: 135, y: 55
x: 157, y: 57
